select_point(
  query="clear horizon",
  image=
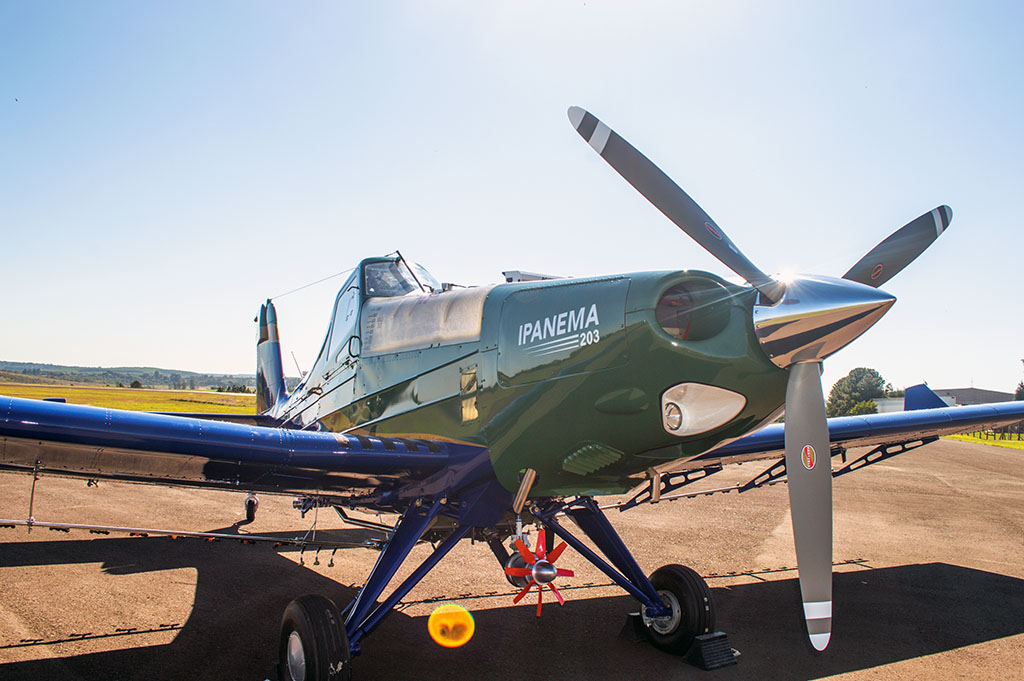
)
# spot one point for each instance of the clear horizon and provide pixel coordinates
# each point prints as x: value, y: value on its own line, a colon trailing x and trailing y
x: 168, y: 167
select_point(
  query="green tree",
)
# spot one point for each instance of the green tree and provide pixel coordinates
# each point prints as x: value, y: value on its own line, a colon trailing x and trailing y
x: 1019, y: 393
x: 860, y: 385
x: 892, y: 392
x: 136, y: 384
x: 864, y: 407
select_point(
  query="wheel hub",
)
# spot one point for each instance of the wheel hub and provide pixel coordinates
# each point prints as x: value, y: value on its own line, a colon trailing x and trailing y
x: 669, y: 623
x: 296, y: 657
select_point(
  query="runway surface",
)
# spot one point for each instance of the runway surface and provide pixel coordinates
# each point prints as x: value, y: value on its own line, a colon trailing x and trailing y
x: 929, y: 584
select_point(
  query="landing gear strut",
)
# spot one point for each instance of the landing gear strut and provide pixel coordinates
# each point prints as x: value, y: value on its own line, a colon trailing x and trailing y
x: 676, y: 610
x: 675, y: 602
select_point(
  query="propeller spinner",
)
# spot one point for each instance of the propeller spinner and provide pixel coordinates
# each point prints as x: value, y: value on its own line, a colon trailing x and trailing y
x: 799, y: 324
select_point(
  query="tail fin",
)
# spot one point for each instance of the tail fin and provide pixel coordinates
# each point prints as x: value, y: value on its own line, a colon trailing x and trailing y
x: 270, y: 387
x: 921, y: 397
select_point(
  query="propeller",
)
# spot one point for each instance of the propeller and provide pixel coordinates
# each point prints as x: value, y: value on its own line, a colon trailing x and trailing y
x: 809, y: 471
x: 899, y: 249
x: 659, y: 189
x: 799, y: 324
x: 540, y: 570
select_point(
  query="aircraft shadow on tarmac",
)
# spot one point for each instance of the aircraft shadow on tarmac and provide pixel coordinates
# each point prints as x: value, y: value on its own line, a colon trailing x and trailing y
x: 883, y: 615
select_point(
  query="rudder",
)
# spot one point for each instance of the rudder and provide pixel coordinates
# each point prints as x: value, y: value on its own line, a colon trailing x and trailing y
x: 270, y: 385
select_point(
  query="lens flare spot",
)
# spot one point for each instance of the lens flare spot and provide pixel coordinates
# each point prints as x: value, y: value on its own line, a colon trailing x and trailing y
x: 450, y: 625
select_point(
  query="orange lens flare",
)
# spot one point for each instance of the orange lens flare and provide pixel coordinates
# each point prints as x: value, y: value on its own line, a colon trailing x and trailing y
x: 450, y: 625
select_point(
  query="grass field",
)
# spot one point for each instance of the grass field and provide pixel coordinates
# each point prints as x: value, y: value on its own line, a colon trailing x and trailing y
x: 1009, y: 444
x: 139, y: 399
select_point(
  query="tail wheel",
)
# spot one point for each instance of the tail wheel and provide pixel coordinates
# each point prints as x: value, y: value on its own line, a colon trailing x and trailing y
x: 693, y: 611
x: 251, y: 504
x: 313, y: 646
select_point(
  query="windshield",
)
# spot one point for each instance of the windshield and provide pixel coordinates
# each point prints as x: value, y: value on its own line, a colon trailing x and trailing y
x: 393, y: 279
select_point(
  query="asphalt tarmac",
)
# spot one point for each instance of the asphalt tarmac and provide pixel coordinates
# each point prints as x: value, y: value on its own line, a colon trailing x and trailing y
x: 929, y: 583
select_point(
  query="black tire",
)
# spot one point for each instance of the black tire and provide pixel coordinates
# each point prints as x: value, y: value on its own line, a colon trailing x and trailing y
x: 319, y: 631
x: 696, y: 609
x: 250, y: 510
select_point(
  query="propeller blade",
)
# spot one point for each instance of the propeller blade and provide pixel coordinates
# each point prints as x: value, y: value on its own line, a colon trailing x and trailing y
x: 525, y: 552
x: 899, y: 249
x: 561, y: 601
x: 541, y: 548
x: 556, y: 552
x: 659, y: 189
x: 518, y: 572
x: 565, y: 573
x: 808, y: 467
x: 522, y: 593
x: 540, y: 599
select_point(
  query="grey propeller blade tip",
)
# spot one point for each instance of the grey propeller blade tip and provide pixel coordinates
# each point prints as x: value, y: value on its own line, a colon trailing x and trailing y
x: 576, y: 116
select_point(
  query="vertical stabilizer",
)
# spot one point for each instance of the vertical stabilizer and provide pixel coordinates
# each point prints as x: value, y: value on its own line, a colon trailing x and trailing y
x: 921, y: 397
x: 270, y: 387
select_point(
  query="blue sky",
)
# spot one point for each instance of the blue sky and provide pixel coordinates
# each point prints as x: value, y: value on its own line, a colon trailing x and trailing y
x: 167, y: 166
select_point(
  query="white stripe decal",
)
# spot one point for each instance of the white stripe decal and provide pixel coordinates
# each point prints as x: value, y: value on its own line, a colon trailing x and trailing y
x: 600, y: 137
x: 563, y: 339
x: 555, y: 350
x: 560, y: 341
x: 938, y: 222
x: 818, y: 610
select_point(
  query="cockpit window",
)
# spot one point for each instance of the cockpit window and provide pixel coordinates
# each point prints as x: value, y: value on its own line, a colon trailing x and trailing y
x: 346, y: 312
x: 426, y: 278
x: 389, y: 279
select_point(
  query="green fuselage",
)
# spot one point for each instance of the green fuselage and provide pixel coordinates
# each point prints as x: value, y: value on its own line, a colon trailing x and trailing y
x: 565, y: 376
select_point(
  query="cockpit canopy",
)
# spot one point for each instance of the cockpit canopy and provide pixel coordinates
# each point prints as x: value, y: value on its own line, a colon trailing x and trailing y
x: 388, y: 305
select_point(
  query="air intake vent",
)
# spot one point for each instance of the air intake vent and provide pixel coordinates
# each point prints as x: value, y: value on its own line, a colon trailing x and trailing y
x: 590, y: 457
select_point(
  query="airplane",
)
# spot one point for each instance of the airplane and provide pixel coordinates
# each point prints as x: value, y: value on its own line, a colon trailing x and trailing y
x: 484, y: 411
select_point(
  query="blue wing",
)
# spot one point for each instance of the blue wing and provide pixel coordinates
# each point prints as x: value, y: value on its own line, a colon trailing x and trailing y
x: 882, y: 429
x: 93, y: 442
x: 888, y: 434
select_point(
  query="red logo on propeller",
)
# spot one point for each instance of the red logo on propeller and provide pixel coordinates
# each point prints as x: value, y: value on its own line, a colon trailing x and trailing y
x: 540, y: 570
x: 875, y: 273
x: 714, y: 232
x: 807, y: 457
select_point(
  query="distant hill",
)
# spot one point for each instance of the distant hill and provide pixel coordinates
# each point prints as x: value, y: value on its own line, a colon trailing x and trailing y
x: 149, y: 377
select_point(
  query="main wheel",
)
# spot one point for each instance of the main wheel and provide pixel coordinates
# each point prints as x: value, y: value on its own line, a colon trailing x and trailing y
x: 313, y: 646
x: 693, y: 611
